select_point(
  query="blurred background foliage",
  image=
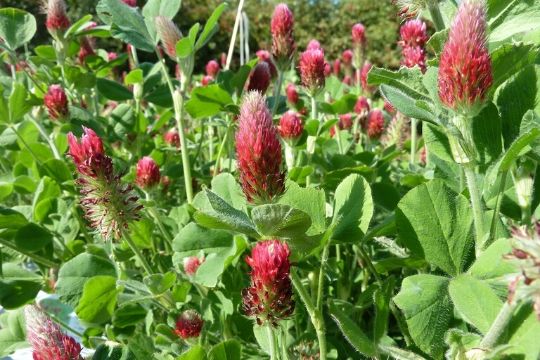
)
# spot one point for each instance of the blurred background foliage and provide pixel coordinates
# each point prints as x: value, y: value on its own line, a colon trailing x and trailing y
x: 328, y: 21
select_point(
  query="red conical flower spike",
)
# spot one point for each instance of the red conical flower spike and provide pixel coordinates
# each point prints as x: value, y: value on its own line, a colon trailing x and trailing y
x: 362, y: 106
x: 465, y: 74
x: 375, y: 125
x: 56, y: 102
x: 413, y: 33
x: 359, y: 34
x: 312, y: 66
x: 189, y: 325
x: 47, y: 339
x: 290, y: 126
x: 269, y: 296
x: 57, y: 20
x: 281, y: 26
x: 168, y: 34
x: 347, y: 57
x: 148, y: 174
x: 264, y: 55
x: 258, y: 151
x: 292, y: 94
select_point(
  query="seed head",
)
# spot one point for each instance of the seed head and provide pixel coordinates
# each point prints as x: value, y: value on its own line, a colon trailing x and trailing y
x: 189, y: 325
x: 56, y: 102
x: 169, y: 35
x: 269, y: 296
x: 465, y: 74
x: 258, y: 151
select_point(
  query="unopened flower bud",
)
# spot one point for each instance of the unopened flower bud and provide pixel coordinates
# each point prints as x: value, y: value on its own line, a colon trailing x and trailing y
x: 375, y: 126
x: 290, y: 126
x: 212, y: 68
x: 359, y: 34
x: 169, y: 34
x: 56, y: 102
x: 312, y: 66
x: 148, y: 174
x: 172, y: 138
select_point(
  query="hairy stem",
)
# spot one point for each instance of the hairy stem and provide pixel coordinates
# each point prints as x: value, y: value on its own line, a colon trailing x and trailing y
x: 499, y: 325
x: 476, y: 203
x: 413, y: 141
x: 436, y: 15
x: 36, y: 258
x: 138, y: 253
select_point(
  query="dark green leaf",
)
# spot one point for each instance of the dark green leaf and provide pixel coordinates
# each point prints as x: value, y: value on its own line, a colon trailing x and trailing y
x: 98, y: 299
x: 17, y: 27
x: 17, y: 286
x: 280, y: 220
x: 113, y: 90
x: 226, y: 350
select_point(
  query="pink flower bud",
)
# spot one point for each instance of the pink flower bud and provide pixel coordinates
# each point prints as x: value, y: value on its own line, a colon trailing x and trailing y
x: 269, y: 296
x: 414, y: 56
x: 375, y: 126
x: 290, y: 126
x: 206, y: 79
x: 85, y: 50
x: 265, y: 56
x: 465, y: 74
x: 281, y: 26
x: 312, y: 66
x: 89, y: 146
x: 111, y: 56
x: 260, y: 77
x: 57, y: 20
x: 359, y: 34
x: 347, y: 57
x: 327, y: 69
x: 314, y: 45
x: 413, y: 33
x: 189, y: 325
x: 362, y: 106
x: 258, y: 151
x: 47, y: 339
x: 148, y: 174
x: 363, y: 76
x: 292, y: 94
x: 169, y: 35
x: 347, y: 80
x: 172, y: 138
x: 56, y: 102
x: 345, y: 121
x: 337, y: 67
x: 212, y: 68
x: 132, y: 3
x: 191, y: 264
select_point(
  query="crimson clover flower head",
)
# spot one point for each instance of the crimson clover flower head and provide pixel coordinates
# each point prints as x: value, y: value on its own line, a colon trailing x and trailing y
x: 290, y: 125
x: 47, y: 339
x: 191, y: 264
x: 337, y: 67
x: 312, y: 69
x: 314, y: 45
x: 358, y: 32
x: 148, y: 174
x: 189, y: 325
x: 172, y: 137
x: 264, y: 55
x: 57, y: 19
x: 465, y: 73
x: 212, y: 68
x: 169, y: 34
x: 375, y: 125
x: 362, y: 106
x: 258, y: 151
x: 413, y: 33
x: 292, y: 94
x: 56, y: 102
x: 260, y: 77
x: 132, y: 3
x: 347, y: 57
x: 86, y: 49
x: 345, y: 121
x: 109, y: 205
x: 282, y: 29
x: 206, y: 79
x: 269, y: 297
x: 414, y: 56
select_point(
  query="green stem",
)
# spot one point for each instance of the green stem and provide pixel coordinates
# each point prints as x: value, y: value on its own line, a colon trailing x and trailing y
x: 320, y: 287
x: 311, y: 139
x: 282, y: 339
x: 500, y: 195
x: 178, y: 102
x: 277, y: 91
x: 273, y: 344
x: 476, y: 204
x: 161, y: 227
x: 413, y: 141
x: 26, y: 145
x: 499, y: 325
x: 315, y: 316
x: 220, y: 151
x: 46, y: 136
x: 138, y: 253
x: 436, y: 15
x: 37, y: 258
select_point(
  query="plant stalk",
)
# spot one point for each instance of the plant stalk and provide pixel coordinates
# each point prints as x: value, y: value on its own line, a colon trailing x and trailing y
x: 413, y: 140
x: 498, y: 326
x: 476, y: 203
x: 138, y: 253
x: 277, y: 91
x: 436, y: 15
x: 37, y: 258
x: 45, y: 136
x: 273, y: 344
